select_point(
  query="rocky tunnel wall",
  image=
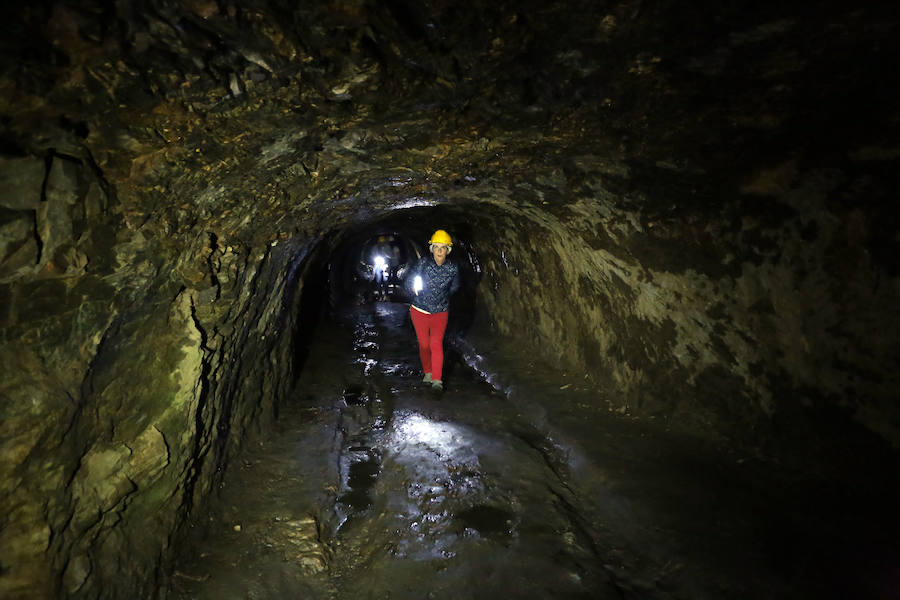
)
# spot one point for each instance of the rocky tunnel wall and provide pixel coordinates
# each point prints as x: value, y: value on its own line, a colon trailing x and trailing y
x: 746, y: 324
x: 134, y: 366
x: 740, y: 324
x: 135, y: 376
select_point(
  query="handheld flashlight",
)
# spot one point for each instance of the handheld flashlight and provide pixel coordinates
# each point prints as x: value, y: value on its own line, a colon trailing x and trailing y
x: 417, y: 284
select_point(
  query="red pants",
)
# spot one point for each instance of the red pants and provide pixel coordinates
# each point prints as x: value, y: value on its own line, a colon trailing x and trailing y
x: 430, y: 333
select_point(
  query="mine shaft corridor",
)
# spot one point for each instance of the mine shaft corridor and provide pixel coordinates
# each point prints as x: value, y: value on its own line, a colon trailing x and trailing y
x: 672, y: 365
x: 371, y: 486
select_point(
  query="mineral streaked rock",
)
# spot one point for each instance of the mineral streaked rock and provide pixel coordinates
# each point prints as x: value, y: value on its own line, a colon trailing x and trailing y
x: 17, y: 182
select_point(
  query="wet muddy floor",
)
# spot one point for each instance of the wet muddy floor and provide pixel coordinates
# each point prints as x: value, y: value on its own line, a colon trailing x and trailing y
x: 373, y: 487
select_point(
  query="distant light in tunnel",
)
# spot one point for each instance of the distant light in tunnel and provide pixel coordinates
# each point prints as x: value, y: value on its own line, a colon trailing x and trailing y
x: 380, y: 264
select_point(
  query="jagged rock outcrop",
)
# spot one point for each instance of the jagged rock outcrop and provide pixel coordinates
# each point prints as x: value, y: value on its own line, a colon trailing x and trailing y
x: 691, y: 210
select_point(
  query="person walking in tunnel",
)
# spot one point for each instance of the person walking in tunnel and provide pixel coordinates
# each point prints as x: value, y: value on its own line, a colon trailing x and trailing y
x: 431, y: 282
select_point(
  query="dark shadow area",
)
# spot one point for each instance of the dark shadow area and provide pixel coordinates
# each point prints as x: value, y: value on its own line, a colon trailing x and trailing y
x: 370, y: 266
x: 311, y: 306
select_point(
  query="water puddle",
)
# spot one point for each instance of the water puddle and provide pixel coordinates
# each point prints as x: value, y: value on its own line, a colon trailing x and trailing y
x: 487, y: 520
x: 355, y: 396
x: 362, y: 472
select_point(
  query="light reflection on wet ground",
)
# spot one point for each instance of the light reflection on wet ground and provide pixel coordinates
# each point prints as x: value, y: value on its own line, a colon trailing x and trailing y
x: 372, y: 487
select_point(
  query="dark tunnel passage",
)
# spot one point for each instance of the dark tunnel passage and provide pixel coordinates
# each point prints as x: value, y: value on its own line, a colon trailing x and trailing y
x: 341, y: 271
x: 405, y: 232
x: 670, y: 371
x: 411, y: 493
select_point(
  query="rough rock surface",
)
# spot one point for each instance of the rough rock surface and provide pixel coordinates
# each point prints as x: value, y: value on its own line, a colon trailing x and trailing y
x: 692, y: 208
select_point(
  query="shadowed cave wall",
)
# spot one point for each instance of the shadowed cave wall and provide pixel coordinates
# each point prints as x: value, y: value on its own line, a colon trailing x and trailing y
x: 692, y: 212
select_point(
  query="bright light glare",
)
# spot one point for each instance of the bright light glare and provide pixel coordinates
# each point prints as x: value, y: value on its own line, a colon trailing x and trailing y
x: 413, y: 202
x: 379, y: 262
x: 417, y: 284
x: 441, y: 437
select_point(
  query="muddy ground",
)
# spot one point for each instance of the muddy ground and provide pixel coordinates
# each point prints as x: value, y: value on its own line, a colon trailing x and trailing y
x: 374, y: 487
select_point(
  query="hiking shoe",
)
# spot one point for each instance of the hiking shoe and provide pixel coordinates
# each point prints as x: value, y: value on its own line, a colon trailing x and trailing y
x: 437, y: 386
x: 427, y: 378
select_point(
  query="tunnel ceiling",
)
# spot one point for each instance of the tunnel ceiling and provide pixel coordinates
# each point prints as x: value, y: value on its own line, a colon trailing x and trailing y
x: 260, y: 119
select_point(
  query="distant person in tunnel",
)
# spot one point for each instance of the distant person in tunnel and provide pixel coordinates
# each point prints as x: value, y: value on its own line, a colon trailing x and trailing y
x: 431, y: 282
x: 383, y: 260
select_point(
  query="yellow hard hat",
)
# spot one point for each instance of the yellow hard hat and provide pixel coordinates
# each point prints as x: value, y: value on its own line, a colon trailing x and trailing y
x: 440, y: 237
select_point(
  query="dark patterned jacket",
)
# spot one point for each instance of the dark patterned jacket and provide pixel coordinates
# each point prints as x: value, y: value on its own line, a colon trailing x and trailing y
x: 438, y: 282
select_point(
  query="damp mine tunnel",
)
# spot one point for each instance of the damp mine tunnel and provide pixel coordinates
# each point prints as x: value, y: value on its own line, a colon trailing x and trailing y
x: 671, y: 367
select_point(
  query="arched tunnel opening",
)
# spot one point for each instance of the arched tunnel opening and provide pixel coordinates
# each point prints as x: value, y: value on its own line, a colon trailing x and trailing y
x: 342, y: 271
x: 670, y: 369
x: 401, y: 239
